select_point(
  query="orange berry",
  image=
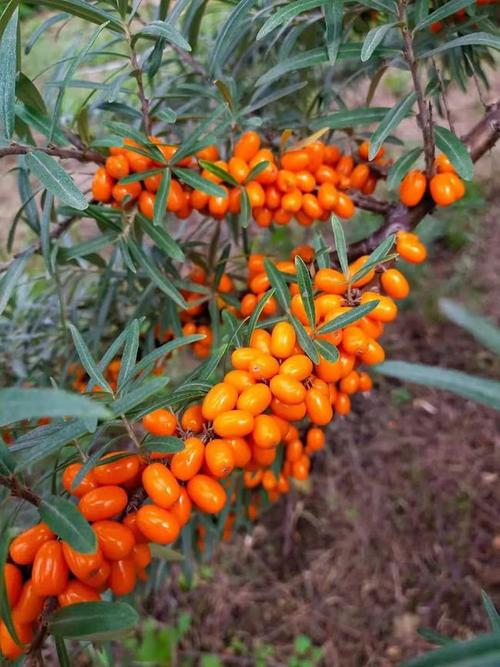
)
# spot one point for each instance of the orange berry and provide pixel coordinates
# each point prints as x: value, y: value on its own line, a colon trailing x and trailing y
x: 345, y: 165
x: 119, y: 471
x: 330, y: 281
x: 374, y: 353
x: 241, y: 380
x: 412, y: 188
x: 263, y: 366
x: 158, y: 524
x: 241, y: 451
x: 291, y: 202
x: 342, y: 404
x: 318, y: 407
x: 443, y: 164
x: 328, y: 196
x: 359, y: 176
x: 115, y: 539
x: 209, y: 153
x: 24, y: 546
x: 13, y: 583
x: 207, y: 494
x: 181, y: 509
x: 82, y: 565
x: 298, y: 367
x: 102, y: 185
x: 8, y: 647
x: 287, y: 390
x: 395, y: 284
x: 365, y: 382
x: 283, y: 340
x: 238, y: 169
x: 344, y: 207
x: 295, y: 160
x: 160, y: 485
x: 130, y: 190
x: 254, y: 399
x: 385, y: 311
x: 221, y: 398
x: 315, y: 439
x: 76, y: 592
x: 28, y: 606
x: 350, y: 383
x: 288, y: 412
x: 122, y: 578
x: 233, y: 424
x: 186, y: 463
x: 117, y: 166
x: 160, y: 422
x: 316, y: 152
x: 219, y: 458
x: 103, y: 503
x: 354, y: 340
x: 50, y: 571
x: 266, y: 431
x: 305, y: 181
x: 247, y: 145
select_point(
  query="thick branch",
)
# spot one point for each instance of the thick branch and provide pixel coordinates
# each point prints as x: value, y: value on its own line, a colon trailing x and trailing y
x: 398, y: 217
x: 83, y: 155
x: 19, y: 490
x: 369, y: 203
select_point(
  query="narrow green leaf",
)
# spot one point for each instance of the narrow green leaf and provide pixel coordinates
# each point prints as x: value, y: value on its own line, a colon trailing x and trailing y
x: 448, y: 9
x: 252, y: 322
x: 7, y: 13
x: 334, y: 17
x: 340, y: 245
x: 140, y: 176
x: 129, y: 355
x: 10, y: 280
x: 167, y: 445
x: 421, y: 10
x: 321, y: 256
x: 482, y: 651
x: 348, y: 318
x: 50, y: 174
x: 165, y: 30
x: 45, y: 441
x: 161, y: 281
x: 23, y: 403
x: 305, y: 341
x: 87, y: 247
x: 7, y: 463
x: 434, y: 637
x: 473, y: 39
x: 167, y: 114
x: 374, y: 37
x: 8, y: 67
x: 455, y: 151
x: 88, y: 362
x: 255, y: 171
x: 306, y: 290
x: 161, y: 238
x: 62, y: 652
x: 93, y: 620
x: 165, y: 349
x: 472, y: 387
x: 81, y: 8
x: 286, y: 14
x: 327, y: 350
x: 227, y: 32
x: 278, y: 282
x: 28, y: 93
x: 401, y: 167
x: 493, y: 615
x: 258, y: 101
x: 479, y: 327
x: 245, y: 209
x: 160, y: 205
x: 218, y: 171
x: 390, y: 121
x: 197, y: 182
x: 137, y: 396
x: 376, y: 257
x: 45, y: 230
x: 350, y: 118
x: 63, y: 517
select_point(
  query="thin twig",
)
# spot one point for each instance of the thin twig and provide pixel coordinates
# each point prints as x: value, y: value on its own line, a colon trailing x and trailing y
x: 34, y: 653
x: 423, y: 109
x: 82, y: 155
x: 445, y: 96
x: 137, y: 73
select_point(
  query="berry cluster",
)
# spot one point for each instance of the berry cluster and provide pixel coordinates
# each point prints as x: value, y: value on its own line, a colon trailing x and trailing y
x: 445, y: 186
x: 305, y: 183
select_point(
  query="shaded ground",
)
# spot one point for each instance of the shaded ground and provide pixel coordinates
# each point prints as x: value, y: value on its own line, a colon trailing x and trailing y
x: 398, y: 529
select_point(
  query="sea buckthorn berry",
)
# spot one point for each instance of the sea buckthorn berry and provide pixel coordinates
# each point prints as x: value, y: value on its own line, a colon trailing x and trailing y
x: 255, y: 264
x: 141, y: 555
x: 233, y: 424
x: 282, y: 217
x: 254, y: 399
x: 374, y: 353
x: 364, y: 149
x: 218, y: 205
x: 29, y: 605
x: 50, y: 571
x: 88, y: 482
x: 209, y: 153
x: 295, y: 160
x: 256, y: 194
x: 119, y: 471
x: 160, y: 485
x: 330, y: 281
x: 359, y: 176
x: 198, y: 200
x: 82, y: 565
x: 242, y: 357
x: 102, y: 185
x: 350, y: 383
x: 261, y: 340
x: 263, y: 366
x: 300, y: 469
x: 117, y: 166
x: 365, y: 382
x: 103, y: 503
x: 13, y: 583
x: 207, y: 494
x: 175, y: 199
x: 186, y: 463
x: 288, y: 412
x: 238, y: 169
x: 298, y: 367
x: 221, y: 398
x: 269, y: 481
x: 446, y: 188
x: 192, y: 419
x: 260, y: 283
x: 370, y: 185
x: 99, y: 577
x: 315, y: 439
x: 443, y: 164
x: 326, y: 303
x: 219, y: 458
x: 294, y: 450
x: 318, y: 406
x: 241, y: 451
x: 385, y: 311
x: 263, y: 217
x: 344, y: 207
x: 412, y: 188
x: 329, y: 371
x: 115, y: 539
x: 266, y: 432
x: 306, y: 252
x: 247, y: 146
x: 158, y: 524
x: 130, y: 190
x: 8, y: 647
x: 297, y: 308
x: 287, y: 390
x: 354, y: 340
x: 76, y: 592
x: 345, y: 165
x: 241, y: 380
x: 411, y: 250
x: 252, y: 478
x: 395, y: 284
x: 328, y: 196
x: 24, y: 546
x: 316, y: 152
x: 342, y: 404
x: 248, y: 304
x: 123, y: 576
x: 285, y: 182
x: 311, y: 207
x: 160, y: 422
x: 181, y: 509
x: 283, y: 340
x: 147, y: 204
x: 305, y: 181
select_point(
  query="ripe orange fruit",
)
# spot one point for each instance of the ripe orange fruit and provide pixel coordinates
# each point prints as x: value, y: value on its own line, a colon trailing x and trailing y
x: 263, y: 366
x: 446, y: 188
x: 82, y: 565
x: 115, y: 539
x: 192, y: 419
x: 77, y: 591
x: 102, y: 185
x: 330, y: 281
x: 158, y: 524
x: 412, y: 188
x: 50, y: 571
x: 160, y: 422
x: 122, y: 577
x: 221, y: 398
x: 219, y: 458
x: 374, y: 353
x: 344, y: 207
x: 395, y: 284
x: 354, y: 340
x: 207, y: 494
x: 295, y: 160
x: 266, y: 431
x: 160, y: 485
x: 24, y: 546
x: 141, y: 555
x: 298, y: 366
x: 385, y: 311
x: 187, y: 463
x: 318, y: 406
x: 238, y: 169
x: 410, y: 247
x: 88, y: 482
x: 103, y: 503
x: 255, y: 398
x: 315, y: 439
x: 283, y: 340
x: 119, y: 471
x: 29, y: 605
x: 117, y: 166
x: 241, y: 380
x: 181, y: 509
x: 359, y: 176
x: 241, y: 451
x: 8, y: 647
x: 287, y: 390
x: 247, y: 146
x: 233, y: 424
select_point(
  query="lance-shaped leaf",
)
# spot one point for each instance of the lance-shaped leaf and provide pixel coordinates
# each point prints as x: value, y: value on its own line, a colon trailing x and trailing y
x: 348, y: 318
x: 57, y: 181
x: 10, y: 280
x: 8, y: 67
x: 154, y: 273
x: 306, y: 290
x: 473, y: 39
x: 165, y: 30
x: 197, y: 182
x: 305, y: 341
x: 88, y: 361
x: 455, y: 151
x: 374, y: 37
x: 286, y: 13
x: 376, y: 257
x: 166, y: 445
x: 227, y: 33
x: 277, y: 281
x: 484, y: 331
x: 93, y: 620
x: 401, y: 167
x: 448, y: 9
x: 390, y: 121
x: 252, y: 322
x: 66, y: 521
x: 160, y: 205
x: 327, y: 350
x: 334, y: 18
x: 340, y: 245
